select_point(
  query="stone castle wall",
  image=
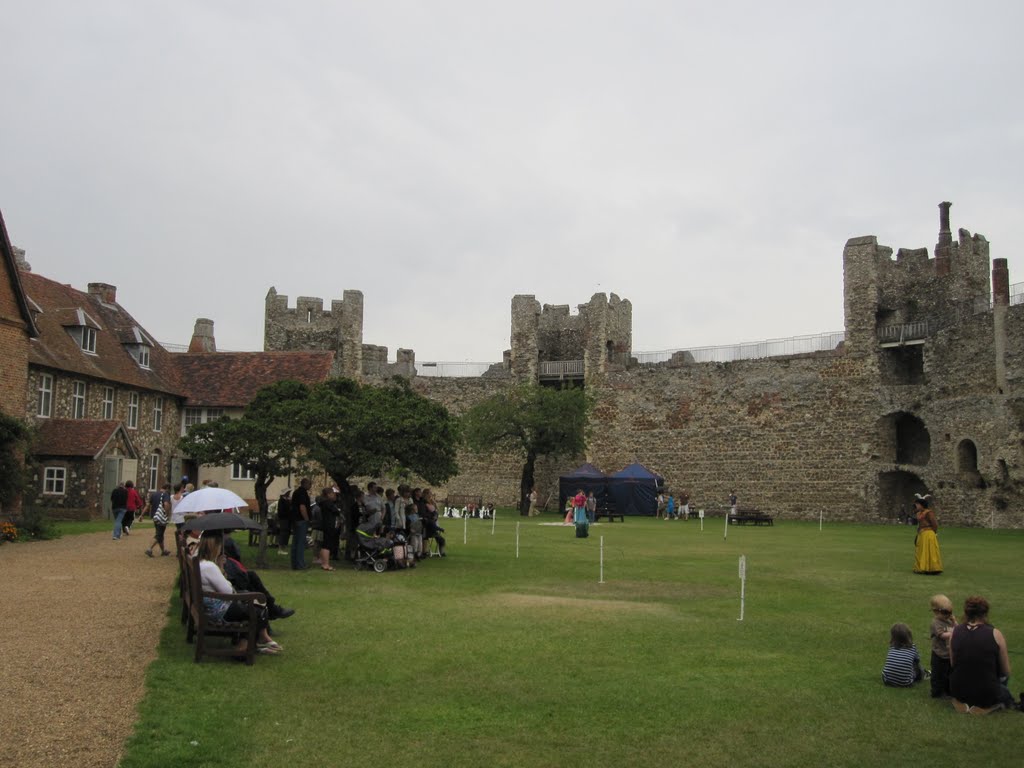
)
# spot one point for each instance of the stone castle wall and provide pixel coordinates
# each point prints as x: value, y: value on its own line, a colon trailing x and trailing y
x: 853, y: 433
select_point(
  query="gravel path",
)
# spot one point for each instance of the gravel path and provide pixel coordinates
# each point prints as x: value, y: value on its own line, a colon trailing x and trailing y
x: 80, y: 618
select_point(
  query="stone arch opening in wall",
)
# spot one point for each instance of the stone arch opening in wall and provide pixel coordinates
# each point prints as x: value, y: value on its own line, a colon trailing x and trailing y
x: 609, y: 350
x: 896, y: 491
x: 967, y: 464
x: 905, y: 439
x: 966, y: 457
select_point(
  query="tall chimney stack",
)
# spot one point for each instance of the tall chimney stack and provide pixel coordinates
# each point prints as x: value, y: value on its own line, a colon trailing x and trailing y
x: 104, y: 292
x: 202, y: 337
x: 943, y: 247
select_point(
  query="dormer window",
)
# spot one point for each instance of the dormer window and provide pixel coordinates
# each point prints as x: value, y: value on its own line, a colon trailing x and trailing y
x: 87, y: 339
x: 141, y: 354
x: 82, y: 328
x: 137, y: 343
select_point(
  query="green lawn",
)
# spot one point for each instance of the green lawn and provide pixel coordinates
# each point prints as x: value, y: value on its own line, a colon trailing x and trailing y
x: 483, y: 659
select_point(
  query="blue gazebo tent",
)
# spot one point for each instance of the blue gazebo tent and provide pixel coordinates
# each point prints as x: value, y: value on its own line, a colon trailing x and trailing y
x: 634, y: 490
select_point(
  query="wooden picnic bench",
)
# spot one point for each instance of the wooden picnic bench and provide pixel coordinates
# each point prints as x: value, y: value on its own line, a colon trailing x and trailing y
x: 608, y: 511
x: 755, y: 516
x: 201, y: 626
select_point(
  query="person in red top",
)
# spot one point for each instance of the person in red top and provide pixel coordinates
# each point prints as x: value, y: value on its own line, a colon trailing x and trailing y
x: 135, y: 503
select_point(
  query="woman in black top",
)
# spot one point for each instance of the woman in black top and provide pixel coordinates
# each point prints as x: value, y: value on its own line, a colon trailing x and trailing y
x: 981, y: 665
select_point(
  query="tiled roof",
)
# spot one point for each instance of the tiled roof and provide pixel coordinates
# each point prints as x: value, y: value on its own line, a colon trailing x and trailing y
x: 75, y: 437
x: 231, y: 379
x: 14, y: 275
x: 55, y: 347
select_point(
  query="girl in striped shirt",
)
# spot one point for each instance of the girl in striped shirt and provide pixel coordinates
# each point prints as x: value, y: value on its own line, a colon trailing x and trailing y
x: 902, y: 664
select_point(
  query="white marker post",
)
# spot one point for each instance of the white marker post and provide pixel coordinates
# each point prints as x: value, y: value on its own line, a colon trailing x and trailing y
x: 517, y: 540
x: 601, y: 581
x: 465, y: 523
x: 701, y: 516
x: 743, y: 584
x: 494, y: 516
x: 821, y: 518
x: 726, y: 534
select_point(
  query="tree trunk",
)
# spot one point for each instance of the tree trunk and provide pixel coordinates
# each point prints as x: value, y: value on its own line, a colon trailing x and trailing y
x: 526, y: 485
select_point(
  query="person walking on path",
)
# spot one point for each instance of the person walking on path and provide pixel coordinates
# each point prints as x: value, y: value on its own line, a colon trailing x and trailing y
x: 134, y: 504
x: 118, y: 506
x: 159, y: 507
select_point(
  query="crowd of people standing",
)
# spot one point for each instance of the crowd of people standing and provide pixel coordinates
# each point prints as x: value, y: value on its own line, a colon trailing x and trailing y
x: 404, y: 515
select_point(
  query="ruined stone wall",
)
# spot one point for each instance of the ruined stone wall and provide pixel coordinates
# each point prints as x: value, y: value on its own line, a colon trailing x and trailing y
x: 881, y: 291
x: 788, y: 436
x: 600, y: 334
x: 307, y: 326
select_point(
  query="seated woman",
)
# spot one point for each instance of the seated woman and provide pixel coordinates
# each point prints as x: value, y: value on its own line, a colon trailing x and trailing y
x: 980, y: 663
x: 211, y: 559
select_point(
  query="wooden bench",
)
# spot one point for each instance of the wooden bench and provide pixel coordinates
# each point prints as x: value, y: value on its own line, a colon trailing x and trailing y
x: 608, y: 512
x: 744, y: 516
x: 201, y: 626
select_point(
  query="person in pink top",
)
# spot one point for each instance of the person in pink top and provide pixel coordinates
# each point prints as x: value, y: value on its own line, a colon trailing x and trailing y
x: 579, y: 504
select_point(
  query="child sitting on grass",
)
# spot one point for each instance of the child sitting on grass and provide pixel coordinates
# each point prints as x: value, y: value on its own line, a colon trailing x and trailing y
x: 902, y: 664
x: 941, y: 630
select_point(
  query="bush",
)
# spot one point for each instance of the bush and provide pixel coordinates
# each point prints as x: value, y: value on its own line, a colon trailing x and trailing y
x: 35, y: 527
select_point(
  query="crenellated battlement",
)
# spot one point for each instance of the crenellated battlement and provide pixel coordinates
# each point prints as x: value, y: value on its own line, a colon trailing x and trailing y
x: 600, y: 334
x: 880, y: 290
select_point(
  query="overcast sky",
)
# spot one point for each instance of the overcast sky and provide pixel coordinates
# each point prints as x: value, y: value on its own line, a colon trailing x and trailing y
x: 707, y: 161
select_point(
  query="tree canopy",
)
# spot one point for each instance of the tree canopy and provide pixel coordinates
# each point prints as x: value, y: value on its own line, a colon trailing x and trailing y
x: 356, y: 429
x: 348, y: 428
x: 533, y: 421
x: 267, y: 440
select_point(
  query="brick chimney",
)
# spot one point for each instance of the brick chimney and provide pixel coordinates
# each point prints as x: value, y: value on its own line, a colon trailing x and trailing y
x: 104, y: 292
x: 945, y: 244
x: 1000, y: 307
x: 19, y: 259
x: 202, y: 337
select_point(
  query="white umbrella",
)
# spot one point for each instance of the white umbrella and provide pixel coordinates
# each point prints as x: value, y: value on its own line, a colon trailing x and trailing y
x: 210, y: 500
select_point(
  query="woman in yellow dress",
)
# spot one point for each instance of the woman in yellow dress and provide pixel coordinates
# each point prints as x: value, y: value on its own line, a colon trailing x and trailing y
x: 927, y: 557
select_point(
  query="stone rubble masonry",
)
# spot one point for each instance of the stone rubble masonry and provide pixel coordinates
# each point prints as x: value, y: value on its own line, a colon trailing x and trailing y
x: 340, y: 330
x: 795, y: 436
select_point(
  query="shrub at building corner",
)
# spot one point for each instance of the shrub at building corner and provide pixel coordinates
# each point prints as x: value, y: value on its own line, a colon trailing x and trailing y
x: 14, y: 438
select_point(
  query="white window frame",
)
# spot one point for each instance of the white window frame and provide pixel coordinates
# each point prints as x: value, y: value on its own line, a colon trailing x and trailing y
x: 45, y: 409
x: 198, y: 415
x: 154, y: 471
x: 78, y: 402
x: 88, y: 340
x: 143, y: 356
x: 109, y: 399
x: 238, y: 472
x: 133, y: 410
x: 55, y: 481
x: 158, y: 414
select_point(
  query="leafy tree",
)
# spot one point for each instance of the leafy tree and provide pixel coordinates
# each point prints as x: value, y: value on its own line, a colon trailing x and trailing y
x: 533, y: 421
x: 267, y: 440
x: 14, y: 438
x: 356, y: 429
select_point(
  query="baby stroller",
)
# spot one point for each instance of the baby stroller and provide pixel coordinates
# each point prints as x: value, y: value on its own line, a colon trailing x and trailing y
x: 372, y: 551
